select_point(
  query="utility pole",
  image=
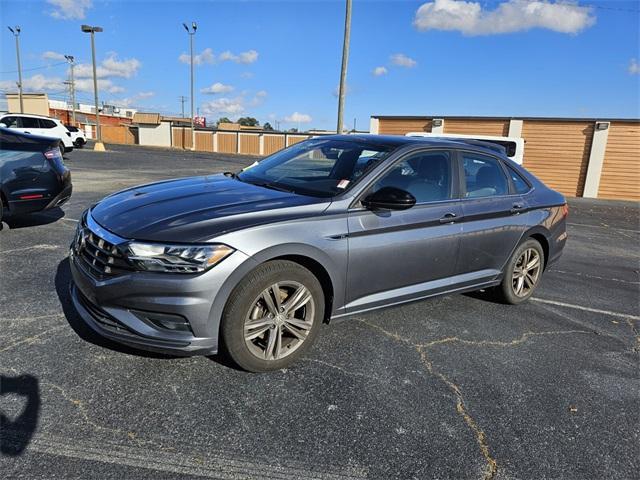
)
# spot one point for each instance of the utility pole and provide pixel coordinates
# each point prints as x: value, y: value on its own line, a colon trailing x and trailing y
x: 72, y: 84
x: 345, y: 61
x: 182, y: 99
x: 16, y: 33
x: 92, y: 30
x: 191, y: 33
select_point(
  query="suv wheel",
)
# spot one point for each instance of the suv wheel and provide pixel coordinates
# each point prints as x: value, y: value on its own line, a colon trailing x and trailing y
x: 523, y: 273
x: 272, y: 317
x: 61, y: 147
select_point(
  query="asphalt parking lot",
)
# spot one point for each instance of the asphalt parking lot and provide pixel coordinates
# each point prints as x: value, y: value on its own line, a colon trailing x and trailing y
x: 451, y: 388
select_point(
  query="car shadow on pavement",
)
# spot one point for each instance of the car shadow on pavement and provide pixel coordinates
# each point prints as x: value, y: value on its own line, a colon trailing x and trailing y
x: 63, y: 289
x: 34, y: 219
x: 16, y: 433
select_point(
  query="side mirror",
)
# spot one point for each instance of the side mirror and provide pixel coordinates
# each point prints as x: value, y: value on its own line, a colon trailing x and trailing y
x: 389, y: 198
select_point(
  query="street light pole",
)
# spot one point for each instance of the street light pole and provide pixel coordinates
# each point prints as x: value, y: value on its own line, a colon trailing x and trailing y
x: 191, y: 33
x: 16, y: 33
x: 343, y: 70
x: 70, y: 59
x: 92, y: 30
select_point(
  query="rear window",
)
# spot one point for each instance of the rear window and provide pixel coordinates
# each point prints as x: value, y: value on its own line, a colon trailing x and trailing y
x: 28, y: 122
x: 520, y: 184
x: 71, y: 128
x: 47, y: 123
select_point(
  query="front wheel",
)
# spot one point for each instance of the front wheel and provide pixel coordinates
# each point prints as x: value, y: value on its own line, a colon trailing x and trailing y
x: 272, y: 317
x: 522, y: 274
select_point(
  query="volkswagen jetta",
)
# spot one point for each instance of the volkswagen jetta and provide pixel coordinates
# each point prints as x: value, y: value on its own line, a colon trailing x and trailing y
x: 252, y: 263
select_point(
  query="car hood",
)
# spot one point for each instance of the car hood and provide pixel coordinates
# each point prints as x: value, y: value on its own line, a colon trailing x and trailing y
x: 198, y: 209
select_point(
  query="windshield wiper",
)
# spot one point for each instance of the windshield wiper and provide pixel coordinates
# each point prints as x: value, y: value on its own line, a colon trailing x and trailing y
x: 273, y: 186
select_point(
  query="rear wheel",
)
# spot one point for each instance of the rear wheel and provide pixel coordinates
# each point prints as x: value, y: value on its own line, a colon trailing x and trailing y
x: 61, y: 147
x: 522, y: 274
x: 272, y: 317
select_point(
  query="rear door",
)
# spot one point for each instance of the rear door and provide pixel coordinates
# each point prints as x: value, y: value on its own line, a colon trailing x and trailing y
x: 398, y: 255
x: 495, y: 215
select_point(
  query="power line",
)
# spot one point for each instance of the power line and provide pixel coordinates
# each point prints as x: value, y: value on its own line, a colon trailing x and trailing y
x: 35, y: 68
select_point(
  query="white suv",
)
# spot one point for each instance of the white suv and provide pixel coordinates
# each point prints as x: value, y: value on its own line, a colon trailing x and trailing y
x: 39, y: 125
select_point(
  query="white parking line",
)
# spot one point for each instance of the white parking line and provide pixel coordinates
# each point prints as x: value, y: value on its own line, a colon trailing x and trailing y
x: 587, y: 309
x: 608, y: 227
x: 41, y: 247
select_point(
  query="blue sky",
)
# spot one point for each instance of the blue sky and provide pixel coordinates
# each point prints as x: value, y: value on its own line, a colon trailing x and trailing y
x: 280, y: 61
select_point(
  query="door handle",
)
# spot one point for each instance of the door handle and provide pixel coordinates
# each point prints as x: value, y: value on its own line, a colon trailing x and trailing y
x: 448, y: 218
x: 517, y: 208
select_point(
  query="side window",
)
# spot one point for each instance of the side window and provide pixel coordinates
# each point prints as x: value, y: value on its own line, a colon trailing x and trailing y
x: 11, y: 122
x: 426, y: 175
x: 519, y: 183
x: 28, y: 122
x: 44, y: 123
x: 484, y: 176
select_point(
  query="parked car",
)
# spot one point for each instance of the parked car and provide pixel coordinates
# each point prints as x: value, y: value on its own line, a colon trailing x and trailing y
x: 78, y: 137
x: 514, y: 146
x: 251, y: 263
x: 39, y: 125
x: 33, y: 176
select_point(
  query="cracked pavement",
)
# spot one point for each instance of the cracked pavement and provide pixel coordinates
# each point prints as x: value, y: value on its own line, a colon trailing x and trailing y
x: 456, y: 387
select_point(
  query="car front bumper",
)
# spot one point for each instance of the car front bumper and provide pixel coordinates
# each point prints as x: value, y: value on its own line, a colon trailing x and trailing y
x: 112, y: 306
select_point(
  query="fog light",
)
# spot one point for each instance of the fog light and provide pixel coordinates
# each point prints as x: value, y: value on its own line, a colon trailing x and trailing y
x: 164, y: 321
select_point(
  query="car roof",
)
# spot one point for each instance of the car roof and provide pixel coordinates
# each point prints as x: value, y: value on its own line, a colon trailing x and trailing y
x: 396, y: 141
x: 31, y: 115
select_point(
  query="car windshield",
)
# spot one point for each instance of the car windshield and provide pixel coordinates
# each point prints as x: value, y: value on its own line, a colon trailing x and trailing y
x: 316, y: 167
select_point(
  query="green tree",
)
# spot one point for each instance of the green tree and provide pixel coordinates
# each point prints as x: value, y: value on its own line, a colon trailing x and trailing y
x: 224, y: 120
x: 267, y: 126
x: 248, y: 122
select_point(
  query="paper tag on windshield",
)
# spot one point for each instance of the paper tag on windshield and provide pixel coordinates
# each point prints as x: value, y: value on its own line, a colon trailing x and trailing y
x: 343, y: 184
x: 250, y: 166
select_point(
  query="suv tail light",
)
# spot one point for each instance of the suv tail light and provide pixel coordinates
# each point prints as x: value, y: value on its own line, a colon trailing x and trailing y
x: 55, y: 159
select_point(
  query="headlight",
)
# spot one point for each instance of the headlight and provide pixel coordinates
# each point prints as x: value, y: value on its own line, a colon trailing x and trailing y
x: 176, y: 258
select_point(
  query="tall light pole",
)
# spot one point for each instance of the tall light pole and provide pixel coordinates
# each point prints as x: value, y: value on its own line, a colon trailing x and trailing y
x: 191, y: 31
x: 16, y: 33
x: 72, y: 85
x: 345, y: 61
x: 92, y: 30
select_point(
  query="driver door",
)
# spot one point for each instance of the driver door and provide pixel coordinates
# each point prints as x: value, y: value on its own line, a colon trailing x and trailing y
x: 397, y: 255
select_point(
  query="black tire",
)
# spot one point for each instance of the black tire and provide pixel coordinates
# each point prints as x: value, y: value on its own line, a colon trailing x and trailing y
x: 506, y: 292
x: 246, y: 297
x: 61, y: 147
x: 1, y: 212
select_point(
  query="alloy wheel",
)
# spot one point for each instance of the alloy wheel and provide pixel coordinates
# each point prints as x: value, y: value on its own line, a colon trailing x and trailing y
x: 526, y: 272
x: 279, y: 320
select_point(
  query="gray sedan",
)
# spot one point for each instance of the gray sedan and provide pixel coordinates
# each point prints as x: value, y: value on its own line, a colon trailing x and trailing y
x: 251, y: 263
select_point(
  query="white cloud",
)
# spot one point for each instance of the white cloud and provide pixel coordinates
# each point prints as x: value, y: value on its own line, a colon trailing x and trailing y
x: 247, y: 74
x: 49, y: 55
x: 226, y: 106
x: 471, y: 18
x: 401, y: 60
x: 247, y: 57
x: 104, y: 85
x: 131, y: 101
x: 218, y: 88
x: 110, y: 67
x: 206, y: 56
x: 69, y: 9
x: 36, y: 83
x: 380, y: 71
x: 634, y: 67
x: 296, y: 117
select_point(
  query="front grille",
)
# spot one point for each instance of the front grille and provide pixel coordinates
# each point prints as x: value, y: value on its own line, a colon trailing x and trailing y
x: 100, y: 257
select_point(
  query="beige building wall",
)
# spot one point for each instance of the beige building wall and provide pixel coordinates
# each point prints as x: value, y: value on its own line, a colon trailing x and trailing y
x: 34, y: 103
